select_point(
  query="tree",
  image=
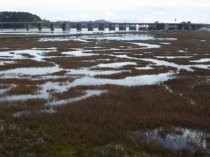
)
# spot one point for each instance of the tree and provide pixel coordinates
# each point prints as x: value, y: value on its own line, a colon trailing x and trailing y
x: 18, y: 17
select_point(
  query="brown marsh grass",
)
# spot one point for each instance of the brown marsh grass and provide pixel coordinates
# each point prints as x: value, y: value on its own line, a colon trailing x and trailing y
x: 99, y: 126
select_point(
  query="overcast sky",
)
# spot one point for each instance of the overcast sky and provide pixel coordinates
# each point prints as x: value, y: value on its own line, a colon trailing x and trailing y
x: 114, y: 10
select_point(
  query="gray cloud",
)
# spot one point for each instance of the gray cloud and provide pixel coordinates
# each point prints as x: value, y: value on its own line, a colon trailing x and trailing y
x: 115, y: 10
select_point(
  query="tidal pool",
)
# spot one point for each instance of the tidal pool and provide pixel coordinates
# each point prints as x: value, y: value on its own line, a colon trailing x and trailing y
x: 176, y: 138
x: 141, y: 80
x: 116, y: 37
x: 146, y: 45
x: 90, y: 72
x: 115, y: 65
x: 31, y: 71
x: 36, y: 54
x: 203, y: 60
x: 173, y: 57
x: 177, y: 66
x: 79, y: 53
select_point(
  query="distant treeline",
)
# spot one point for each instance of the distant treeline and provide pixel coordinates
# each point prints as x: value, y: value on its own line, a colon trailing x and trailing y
x: 17, y: 17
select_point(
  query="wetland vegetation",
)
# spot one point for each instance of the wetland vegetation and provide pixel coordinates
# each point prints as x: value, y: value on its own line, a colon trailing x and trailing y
x: 142, y: 94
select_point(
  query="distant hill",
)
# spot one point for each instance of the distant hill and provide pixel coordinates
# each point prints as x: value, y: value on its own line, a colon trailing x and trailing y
x: 96, y: 21
x: 101, y: 21
x: 18, y: 17
x: 73, y: 25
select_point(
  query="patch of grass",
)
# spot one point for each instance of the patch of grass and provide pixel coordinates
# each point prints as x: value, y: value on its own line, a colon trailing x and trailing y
x: 23, y: 89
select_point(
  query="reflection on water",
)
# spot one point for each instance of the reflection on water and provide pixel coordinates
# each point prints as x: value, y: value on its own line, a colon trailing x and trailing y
x: 115, y: 37
x: 201, y: 60
x: 174, y: 138
x: 36, y: 54
x: 99, y: 37
x: 177, y: 66
x: 92, y: 73
x: 57, y: 31
x: 147, y: 46
x: 78, y: 53
x: 115, y: 65
x: 173, y: 57
x: 141, y: 80
x: 32, y: 71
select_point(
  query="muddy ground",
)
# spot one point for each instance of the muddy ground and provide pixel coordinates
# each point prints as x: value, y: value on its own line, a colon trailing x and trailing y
x: 64, y: 96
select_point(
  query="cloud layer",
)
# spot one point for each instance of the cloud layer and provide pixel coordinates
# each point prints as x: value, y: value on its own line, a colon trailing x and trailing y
x: 115, y: 10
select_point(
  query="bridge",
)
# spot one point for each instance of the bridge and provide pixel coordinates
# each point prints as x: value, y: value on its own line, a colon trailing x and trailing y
x: 15, y: 25
x: 67, y: 26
